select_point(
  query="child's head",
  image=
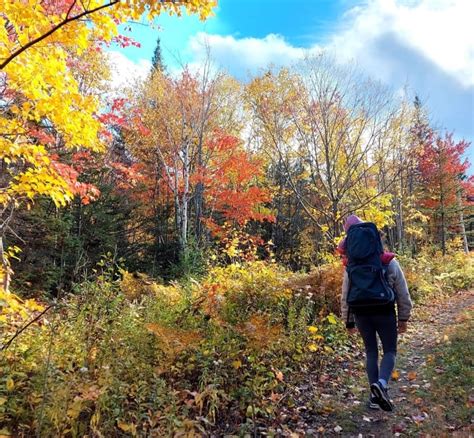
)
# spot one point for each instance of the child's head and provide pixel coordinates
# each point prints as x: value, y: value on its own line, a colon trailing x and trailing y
x: 352, y: 220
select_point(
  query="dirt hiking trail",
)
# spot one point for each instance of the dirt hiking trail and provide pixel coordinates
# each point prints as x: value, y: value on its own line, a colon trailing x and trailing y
x: 340, y: 409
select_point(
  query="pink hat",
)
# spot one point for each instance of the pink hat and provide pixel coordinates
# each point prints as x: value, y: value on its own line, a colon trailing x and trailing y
x: 352, y: 220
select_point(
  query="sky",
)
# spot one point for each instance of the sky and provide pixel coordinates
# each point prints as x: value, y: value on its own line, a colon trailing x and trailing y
x: 425, y: 45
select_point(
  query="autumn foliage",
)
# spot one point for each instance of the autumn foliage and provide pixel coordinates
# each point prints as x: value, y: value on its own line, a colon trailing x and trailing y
x: 167, y: 263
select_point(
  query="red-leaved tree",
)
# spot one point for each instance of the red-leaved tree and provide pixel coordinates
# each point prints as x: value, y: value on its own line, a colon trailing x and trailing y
x: 445, y: 185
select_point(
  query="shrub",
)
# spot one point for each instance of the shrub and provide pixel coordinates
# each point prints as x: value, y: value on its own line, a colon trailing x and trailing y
x: 136, y: 357
x: 430, y: 274
x: 322, y: 286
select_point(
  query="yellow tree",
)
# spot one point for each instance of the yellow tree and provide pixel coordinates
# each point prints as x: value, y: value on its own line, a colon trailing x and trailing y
x: 37, y: 41
x: 42, y: 105
x: 327, y: 125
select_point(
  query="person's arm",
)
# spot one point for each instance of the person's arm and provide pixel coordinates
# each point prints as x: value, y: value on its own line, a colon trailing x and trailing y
x: 344, y: 307
x: 399, y: 284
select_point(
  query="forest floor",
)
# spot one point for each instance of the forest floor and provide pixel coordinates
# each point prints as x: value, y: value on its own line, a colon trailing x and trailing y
x: 433, y: 392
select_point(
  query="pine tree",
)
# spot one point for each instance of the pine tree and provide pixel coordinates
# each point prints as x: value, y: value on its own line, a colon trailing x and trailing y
x: 157, y: 60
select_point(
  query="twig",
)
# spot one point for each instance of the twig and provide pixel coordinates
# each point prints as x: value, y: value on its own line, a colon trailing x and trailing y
x: 52, y: 30
x: 22, y: 329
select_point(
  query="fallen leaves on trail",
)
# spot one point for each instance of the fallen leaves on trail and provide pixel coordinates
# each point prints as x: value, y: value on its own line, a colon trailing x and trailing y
x: 236, y: 364
x: 418, y: 401
x: 411, y: 375
x: 274, y: 397
x: 278, y: 375
x: 399, y: 427
x: 324, y: 378
x: 338, y: 429
x: 395, y: 374
x: 10, y: 385
x: 326, y: 410
x: 471, y: 400
x: 127, y: 427
x: 420, y: 418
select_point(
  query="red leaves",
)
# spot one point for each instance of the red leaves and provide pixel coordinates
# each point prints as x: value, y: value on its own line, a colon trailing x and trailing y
x: 124, y: 41
x: 114, y: 118
x: 127, y: 177
x: 42, y: 135
x: 221, y: 141
x: 111, y: 119
x: 441, y: 165
x: 231, y: 181
x: 85, y: 191
x: 118, y: 104
x: 58, y: 7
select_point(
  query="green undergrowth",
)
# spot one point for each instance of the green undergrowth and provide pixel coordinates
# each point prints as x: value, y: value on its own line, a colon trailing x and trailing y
x: 138, y: 358
x: 431, y: 276
x: 450, y: 370
x: 133, y: 357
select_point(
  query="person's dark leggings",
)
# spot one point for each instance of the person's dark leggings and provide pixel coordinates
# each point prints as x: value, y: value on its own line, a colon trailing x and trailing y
x: 385, y: 325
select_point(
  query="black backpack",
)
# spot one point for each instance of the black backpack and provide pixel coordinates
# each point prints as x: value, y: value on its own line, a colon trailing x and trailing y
x: 368, y: 285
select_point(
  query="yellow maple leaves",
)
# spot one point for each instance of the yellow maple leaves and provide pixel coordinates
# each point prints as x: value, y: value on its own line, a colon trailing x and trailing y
x: 39, y: 90
x: 13, y: 307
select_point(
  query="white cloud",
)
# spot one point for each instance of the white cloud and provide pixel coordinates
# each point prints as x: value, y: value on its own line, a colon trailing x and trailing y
x: 246, y: 55
x: 426, y: 44
x: 437, y: 29
x: 126, y: 73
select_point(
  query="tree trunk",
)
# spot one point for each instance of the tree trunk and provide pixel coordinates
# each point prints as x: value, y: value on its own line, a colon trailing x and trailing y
x: 185, y: 200
x: 400, y: 225
x: 401, y: 222
x: 178, y: 214
x: 5, y: 268
x: 443, y: 230
x: 461, y: 222
x: 199, y: 194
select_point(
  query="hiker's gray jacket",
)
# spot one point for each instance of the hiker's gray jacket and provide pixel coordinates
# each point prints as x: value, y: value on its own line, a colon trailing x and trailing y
x: 397, y: 282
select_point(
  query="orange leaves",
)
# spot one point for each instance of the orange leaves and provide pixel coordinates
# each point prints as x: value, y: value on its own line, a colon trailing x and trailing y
x: 86, y: 192
x: 260, y: 333
x: 278, y: 375
x: 221, y: 142
x: 411, y: 375
x: 191, y: 153
x: 213, y: 301
x: 174, y: 341
x: 232, y: 181
x: 91, y: 392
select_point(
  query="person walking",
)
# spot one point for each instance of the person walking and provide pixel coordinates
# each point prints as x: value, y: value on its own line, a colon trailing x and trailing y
x: 375, y: 301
